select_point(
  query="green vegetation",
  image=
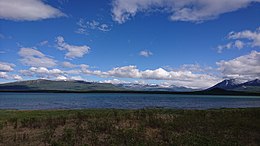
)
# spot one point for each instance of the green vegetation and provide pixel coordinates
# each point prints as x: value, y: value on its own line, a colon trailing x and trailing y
x: 49, y: 85
x: 131, y: 127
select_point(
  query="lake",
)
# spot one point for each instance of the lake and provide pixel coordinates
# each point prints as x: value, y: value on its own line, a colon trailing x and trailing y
x: 39, y: 101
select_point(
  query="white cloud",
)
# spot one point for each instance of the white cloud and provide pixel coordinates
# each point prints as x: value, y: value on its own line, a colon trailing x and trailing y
x: 67, y: 64
x: 115, y: 81
x: 17, y: 77
x: 196, y: 68
x: 77, y: 78
x: 124, y: 72
x: 81, y: 31
x: 239, y: 44
x: 197, y: 80
x: 104, y: 27
x: 84, y: 25
x: 252, y: 36
x: 61, y: 78
x: 75, y: 71
x: 242, y: 39
x: 57, y: 74
x: 145, y: 53
x: 3, y: 75
x: 6, y: 67
x: 42, y: 72
x: 245, y: 67
x: 6, y: 76
x: 73, y: 51
x: 179, y: 10
x: 27, y: 10
x: 32, y: 57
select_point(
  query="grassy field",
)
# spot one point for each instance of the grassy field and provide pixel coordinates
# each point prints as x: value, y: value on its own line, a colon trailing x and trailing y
x: 130, y: 127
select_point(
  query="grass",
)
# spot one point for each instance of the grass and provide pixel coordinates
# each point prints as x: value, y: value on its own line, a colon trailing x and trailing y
x: 131, y: 127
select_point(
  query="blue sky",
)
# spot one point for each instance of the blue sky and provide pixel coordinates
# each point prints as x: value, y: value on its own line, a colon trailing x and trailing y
x: 168, y: 42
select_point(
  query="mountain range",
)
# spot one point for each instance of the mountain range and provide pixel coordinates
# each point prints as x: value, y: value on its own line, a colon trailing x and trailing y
x: 153, y: 87
x: 83, y: 86
x: 234, y: 85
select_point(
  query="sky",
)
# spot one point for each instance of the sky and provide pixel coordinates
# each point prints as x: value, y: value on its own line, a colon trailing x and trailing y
x: 190, y: 43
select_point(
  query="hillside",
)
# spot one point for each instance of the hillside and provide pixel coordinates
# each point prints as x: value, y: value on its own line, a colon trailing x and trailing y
x: 48, y: 85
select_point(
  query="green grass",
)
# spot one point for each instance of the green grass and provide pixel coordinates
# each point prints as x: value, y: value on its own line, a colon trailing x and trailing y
x: 131, y: 127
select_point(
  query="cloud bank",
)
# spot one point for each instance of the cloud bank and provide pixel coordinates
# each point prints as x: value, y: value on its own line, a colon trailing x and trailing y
x: 245, y: 67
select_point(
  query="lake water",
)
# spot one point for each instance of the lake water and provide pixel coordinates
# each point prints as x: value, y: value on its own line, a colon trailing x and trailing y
x: 36, y: 101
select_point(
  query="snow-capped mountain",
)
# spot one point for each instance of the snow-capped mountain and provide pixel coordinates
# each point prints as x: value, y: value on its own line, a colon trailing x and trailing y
x: 255, y: 82
x: 227, y: 84
x: 235, y: 85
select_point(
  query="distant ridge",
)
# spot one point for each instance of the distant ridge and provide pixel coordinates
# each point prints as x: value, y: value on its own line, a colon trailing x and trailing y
x: 42, y: 84
x: 153, y: 87
x: 233, y: 85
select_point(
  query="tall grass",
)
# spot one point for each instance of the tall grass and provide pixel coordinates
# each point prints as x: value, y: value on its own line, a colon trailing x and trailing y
x: 131, y: 127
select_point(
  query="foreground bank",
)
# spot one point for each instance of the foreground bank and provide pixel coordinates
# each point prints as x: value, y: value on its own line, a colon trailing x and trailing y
x: 131, y: 127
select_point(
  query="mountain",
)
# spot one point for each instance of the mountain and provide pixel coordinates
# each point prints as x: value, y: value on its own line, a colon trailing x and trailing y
x: 255, y: 82
x: 234, y: 85
x: 49, y: 85
x: 250, y: 86
x: 153, y: 87
x: 226, y: 84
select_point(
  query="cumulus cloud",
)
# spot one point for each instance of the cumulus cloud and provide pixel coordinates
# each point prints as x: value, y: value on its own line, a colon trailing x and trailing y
x: 73, y: 51
x: 252, y: 36
x: 145, y: 53
x: 6, y: 67
x: 241, y: 39
x: 77, y: 78
x: 42, y: 72
x: 237, y: 44
x: 115, y: 81
x: 32, y: 57
x: 56, y: 74
x: 245, y: 67
x: 6, y: 76
x: 16, y: 77
x: 179, y: 76
x: 179, y: 10
x: 3, y: 75
x: 27, y: 10
x: 61, y: 78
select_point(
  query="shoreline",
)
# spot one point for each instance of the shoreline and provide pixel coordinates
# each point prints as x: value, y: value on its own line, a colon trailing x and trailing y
x: 204, y: 92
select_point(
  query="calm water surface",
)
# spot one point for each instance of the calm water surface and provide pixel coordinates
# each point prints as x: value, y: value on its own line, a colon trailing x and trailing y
x: 36, y: 101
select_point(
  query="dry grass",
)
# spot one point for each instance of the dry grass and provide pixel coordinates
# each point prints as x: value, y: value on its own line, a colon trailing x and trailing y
x: 131, y: 127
